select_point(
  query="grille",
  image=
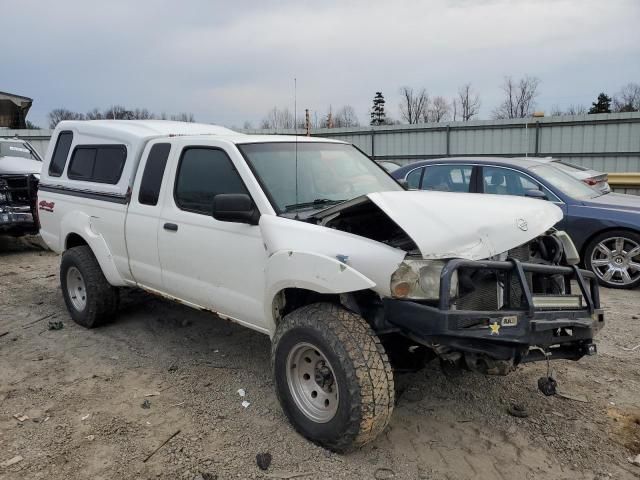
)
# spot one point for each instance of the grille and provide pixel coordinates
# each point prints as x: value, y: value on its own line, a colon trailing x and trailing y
x: 18, y: 189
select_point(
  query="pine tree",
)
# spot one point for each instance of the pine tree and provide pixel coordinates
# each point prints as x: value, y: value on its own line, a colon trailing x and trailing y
x: 602, y: 105
x: 378, y: 116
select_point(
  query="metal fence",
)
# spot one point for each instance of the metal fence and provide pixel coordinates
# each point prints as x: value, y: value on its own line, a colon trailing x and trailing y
x: 606, y: 142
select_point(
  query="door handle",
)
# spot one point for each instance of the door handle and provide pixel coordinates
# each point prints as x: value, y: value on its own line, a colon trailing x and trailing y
x: 171, y: 227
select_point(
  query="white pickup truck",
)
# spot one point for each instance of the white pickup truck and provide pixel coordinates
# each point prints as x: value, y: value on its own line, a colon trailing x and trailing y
x: 310, y: 242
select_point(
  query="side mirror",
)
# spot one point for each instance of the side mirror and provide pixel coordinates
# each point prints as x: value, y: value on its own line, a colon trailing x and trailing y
x: 534, y: 193
x: 403, y: 183
x: 235, y: 207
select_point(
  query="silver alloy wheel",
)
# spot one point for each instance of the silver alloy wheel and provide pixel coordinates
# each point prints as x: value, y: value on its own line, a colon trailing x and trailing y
x: 76, y: 289
x: 312, y: 383
x: 616, y: 260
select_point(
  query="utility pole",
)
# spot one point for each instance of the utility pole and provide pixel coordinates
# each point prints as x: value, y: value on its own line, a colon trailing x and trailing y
x: 307, y: 122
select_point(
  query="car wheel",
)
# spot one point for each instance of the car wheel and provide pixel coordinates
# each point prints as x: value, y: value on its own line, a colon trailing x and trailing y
x: 90, y: 299
x: 332, y: 375
x: 615, y: 258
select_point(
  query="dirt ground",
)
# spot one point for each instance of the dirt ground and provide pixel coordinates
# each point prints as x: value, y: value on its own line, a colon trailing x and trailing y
x: 83, y: 392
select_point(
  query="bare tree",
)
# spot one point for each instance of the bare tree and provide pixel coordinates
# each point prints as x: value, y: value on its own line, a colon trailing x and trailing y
x: 519, y: 99
x: 57, y: 115
x: 346, y: 117
x: 439, y: 110
x: 627, y: 99
x: 142, y: 114
x: 183, y: 117
x: 414, y: 104
x: 94, y: 114
x: 277, y: 118
x: 467, y: 104
x: 575, y: 109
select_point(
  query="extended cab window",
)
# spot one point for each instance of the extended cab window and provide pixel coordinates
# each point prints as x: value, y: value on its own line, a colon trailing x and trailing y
x: 60, y: 153
x: 97, y: 163
x: 204, y: 173
x: 153, y: 173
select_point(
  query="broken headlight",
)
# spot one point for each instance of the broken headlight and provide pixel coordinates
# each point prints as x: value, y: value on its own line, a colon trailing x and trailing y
x: 420, y: 280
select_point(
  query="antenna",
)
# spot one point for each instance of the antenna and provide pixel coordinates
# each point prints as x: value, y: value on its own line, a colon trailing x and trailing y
x: 295, y: 129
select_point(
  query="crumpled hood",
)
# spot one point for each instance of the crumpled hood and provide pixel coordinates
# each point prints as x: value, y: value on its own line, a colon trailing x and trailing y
x: 466, y: 225
x: 19, y: 165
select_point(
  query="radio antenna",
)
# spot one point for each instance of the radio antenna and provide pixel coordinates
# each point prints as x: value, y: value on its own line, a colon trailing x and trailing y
x: 295, y: 130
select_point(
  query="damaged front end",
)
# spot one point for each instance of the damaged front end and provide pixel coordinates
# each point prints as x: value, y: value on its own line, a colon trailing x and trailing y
x: 485, y: 284
x: 491, y: 315
x: 18, y: 194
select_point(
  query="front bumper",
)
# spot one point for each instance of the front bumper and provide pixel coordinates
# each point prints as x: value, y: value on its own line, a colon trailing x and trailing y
x: 16, y: 220
x: 510, y: 334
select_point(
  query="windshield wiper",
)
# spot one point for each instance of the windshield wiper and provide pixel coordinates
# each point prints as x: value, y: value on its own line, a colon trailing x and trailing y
x: 316, y: 203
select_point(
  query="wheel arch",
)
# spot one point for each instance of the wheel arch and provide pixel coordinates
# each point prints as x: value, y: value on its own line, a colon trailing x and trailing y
x: 295, y: 279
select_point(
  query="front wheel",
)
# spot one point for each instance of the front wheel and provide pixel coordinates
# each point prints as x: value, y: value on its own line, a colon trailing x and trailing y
x: 332, y: 375
x: 615, y: 258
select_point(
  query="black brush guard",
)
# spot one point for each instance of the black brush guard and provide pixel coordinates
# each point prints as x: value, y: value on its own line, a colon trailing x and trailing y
x: 516, y: 335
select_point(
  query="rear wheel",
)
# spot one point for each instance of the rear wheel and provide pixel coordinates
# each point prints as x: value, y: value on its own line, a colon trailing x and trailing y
x: 615, y: 258
x: 332, y: 376
x: 90, y: 299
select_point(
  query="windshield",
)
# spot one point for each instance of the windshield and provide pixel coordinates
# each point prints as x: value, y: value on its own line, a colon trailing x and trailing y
x: 565, y: 182
x: 327, y: 173
x: 16, y: 149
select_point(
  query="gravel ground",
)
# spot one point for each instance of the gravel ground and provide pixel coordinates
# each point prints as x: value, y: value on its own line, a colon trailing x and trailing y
x: 83, y: 393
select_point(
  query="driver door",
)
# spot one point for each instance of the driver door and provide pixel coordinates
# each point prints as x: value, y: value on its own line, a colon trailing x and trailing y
x: 218, y: 265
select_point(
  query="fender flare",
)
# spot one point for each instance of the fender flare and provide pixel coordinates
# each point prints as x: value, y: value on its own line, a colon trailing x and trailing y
x: 80, y: 224
x: 310, y: 271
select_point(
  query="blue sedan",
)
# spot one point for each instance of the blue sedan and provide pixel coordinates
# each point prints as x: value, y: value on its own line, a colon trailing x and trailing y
x: 604, y: 227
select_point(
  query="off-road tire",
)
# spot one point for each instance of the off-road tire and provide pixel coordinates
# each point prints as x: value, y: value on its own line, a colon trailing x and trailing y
x: 633, y: 236
x: 362, y: 373
x: 101, y: 297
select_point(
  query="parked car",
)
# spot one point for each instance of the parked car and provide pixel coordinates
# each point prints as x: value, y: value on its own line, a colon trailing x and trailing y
x: 20, y: 168
x: 310, y: 242
x: 604, y: 227
x: 389, y: 166
x: 593, y: 178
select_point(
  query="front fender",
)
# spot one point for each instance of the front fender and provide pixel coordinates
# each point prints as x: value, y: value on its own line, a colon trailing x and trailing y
x: 80, y: 224
x: 311, y: 271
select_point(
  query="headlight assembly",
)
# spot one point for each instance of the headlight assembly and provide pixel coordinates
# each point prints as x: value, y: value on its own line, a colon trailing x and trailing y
x: 420, y: 280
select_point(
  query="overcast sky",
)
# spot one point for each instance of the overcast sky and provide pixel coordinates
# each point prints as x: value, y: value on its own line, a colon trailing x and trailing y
x: 227, y: 62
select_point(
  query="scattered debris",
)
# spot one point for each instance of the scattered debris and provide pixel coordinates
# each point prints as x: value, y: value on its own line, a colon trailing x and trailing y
x: 146, y: 404
x: 547, y: 385
x: 162, y: 445
x: 11, y: 461
x: 91, y: 438
x: 384, y: 473
x: 517, y: 410
x: 85, y: 417
x: 55, y: 325
x: 27, y: 325
x: 172, y: 368
x: 3, y: 334
x: 245, y: 404
x: 635, y: 317
x: 635, y: 460
x: 632, y: 349
x: 576, y: 397
x: 20, y: 417
x: 152, y: 394
x: 177, y: 404
x: 206, y: 476
x: 263, y: 460
x: 287, y: 476
x: 241, y: 392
